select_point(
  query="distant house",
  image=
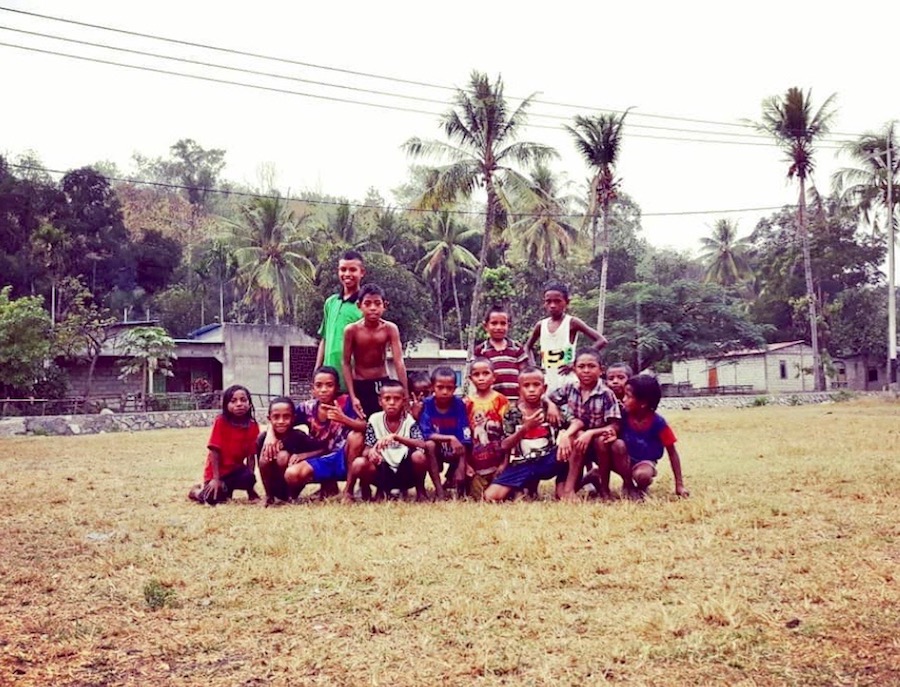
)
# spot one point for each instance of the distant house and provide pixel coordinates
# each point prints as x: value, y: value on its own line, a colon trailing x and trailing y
x: 784, y: 367
x: 428, y: 354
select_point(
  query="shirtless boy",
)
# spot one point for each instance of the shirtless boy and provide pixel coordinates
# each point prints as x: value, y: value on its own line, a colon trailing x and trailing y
x: 365, y: 351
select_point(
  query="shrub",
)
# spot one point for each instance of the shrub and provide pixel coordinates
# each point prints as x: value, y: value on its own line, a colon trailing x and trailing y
x: 159, y: 595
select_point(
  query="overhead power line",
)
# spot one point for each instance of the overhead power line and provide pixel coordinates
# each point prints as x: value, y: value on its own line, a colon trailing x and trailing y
x: 361, y: 206
x: 349, y: 101
x: 370, y: 75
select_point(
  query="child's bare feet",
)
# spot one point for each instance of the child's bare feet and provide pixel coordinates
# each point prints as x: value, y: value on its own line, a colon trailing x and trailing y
x: 346, y: 497
x: 252, y: 495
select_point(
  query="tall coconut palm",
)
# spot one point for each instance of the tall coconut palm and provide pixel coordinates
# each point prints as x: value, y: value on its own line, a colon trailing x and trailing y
x: 271, y: 254
x: 447, y: 256
x: 791, y: 121
x: 599, y: 140
x: 541, y: 226
x: 725, y: 255
x: 864, y: 186
x: 482, y: 131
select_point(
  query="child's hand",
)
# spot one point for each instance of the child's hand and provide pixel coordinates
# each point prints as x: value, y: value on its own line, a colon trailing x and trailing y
x: 271, y: 447
x: 681, y: 491
x: 457, y: 447
x: 357, y: 408
x: 336, y: 413
x: 384, y: 442
x: 563, y: 447
x: 554, y: 417
x: 582, y: 443
x: 296, y: 458
x: 375, y: 456
x: 534, y: 420
x: 213, y: 487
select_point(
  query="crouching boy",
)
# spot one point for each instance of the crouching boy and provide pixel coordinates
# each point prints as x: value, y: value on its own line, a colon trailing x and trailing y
x: 530, y: 440
x: 394, y: 456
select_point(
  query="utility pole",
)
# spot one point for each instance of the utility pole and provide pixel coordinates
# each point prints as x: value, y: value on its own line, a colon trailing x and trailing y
x: 892, y: 295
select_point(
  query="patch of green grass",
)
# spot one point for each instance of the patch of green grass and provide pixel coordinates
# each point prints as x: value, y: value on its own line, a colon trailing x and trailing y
x: 158, y: 595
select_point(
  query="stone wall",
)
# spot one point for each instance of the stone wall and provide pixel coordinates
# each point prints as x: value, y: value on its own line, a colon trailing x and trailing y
x: 104, y: 423
x: 798, y: 399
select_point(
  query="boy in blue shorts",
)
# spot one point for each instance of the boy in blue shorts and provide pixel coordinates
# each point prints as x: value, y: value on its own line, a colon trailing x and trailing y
x: 645, y: 434
x: 530, y: 440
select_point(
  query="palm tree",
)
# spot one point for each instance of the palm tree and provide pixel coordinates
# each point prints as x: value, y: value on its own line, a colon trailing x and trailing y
x: 542, y: 228
x: 599, y: 140
x: 271, y: 255
x: 482, y: 132
x: 865, y: 185
x: 725, y: 255
x: 445, y: 255
x: 790, y: 120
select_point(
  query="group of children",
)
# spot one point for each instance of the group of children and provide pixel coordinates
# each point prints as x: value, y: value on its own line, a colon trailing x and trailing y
x: 520, y: 424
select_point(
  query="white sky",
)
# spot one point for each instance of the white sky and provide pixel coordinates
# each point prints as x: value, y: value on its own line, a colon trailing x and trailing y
x: 705, y: 60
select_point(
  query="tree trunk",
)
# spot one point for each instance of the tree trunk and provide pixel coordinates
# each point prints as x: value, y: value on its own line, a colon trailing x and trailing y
x: 440, y: 305
x: 458, y: 310
x: 604, y: 270
x: 222, y: 301
x: 592, y: 213
x: 479, y: 270
x: 818, y: 372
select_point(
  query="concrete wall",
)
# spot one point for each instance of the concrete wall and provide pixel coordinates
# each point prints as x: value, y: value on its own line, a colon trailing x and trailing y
x: 246, y: 358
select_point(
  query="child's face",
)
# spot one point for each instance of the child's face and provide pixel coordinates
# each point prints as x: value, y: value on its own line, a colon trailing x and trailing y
x: 482, y: 376
x: 392, y: 401
x: 350, y: 272
x: 324, y: 388
x: 281, y: 417
x: 372, y: 307
x: 615, y: 380
x: 421, y: 389
x: 444, y: 388
x: 631, y: 404
x: 497, y: 326
x: 531, y: 387
x: 588, y: 370
x: 555, y: 304
x: 239, y: 405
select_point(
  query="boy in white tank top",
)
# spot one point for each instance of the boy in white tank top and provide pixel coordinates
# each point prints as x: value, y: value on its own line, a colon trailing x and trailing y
x: 556, y: 335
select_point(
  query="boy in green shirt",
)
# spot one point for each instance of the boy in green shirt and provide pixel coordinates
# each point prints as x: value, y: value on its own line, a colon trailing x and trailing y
x: 341, y: 309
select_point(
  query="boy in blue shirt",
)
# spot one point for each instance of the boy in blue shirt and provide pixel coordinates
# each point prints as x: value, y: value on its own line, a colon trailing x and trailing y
x: 445, y: 427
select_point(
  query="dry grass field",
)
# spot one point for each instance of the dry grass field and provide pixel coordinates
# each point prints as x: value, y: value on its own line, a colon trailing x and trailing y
x: 780, y: 569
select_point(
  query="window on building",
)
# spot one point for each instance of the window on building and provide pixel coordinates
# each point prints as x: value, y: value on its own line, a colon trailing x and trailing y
x: 782, y: 369
x: 873, y: 374
x: 276, y: 371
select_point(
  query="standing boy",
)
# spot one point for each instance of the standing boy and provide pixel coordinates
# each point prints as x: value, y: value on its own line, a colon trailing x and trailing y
x: 557, y: 334
x: 507, y: 357
x: 340, y: 310
x: 394, y: 457
x: 365, y: 352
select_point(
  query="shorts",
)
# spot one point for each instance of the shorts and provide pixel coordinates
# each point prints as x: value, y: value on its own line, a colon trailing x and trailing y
x: 330, y: 467
x: 404, y: 478
x: 652, y: 463
x: 479, y: 483
x: 241, y: 479
x: 367, y: 391
x: 519, y: 475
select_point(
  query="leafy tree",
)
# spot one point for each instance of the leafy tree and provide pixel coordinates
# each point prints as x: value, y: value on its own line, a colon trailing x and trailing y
x: 270, y: 250
x: 482, y: 132
x: 791, y: 121
x: 180, y: 309
x: 856, y: 323
x: 599, y: 140
x: 725, y: 255
x: 445, y: 255
x: 24, y: 342
x: 156, y: 258
x: 149, y: 350
x: 540, y: 223
x: 189, y: 165
x: 666, y: 266
x: 83, y: 328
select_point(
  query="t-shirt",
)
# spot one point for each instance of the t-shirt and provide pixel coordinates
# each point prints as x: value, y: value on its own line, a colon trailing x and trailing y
x: 537, y: 442
x: 647, y: 444
x: 486, y: 422
x: 395, y: 452
x: 338, y: 313
x: 595, y: 411
x: 331, y: 434
x: 453, y: 422
x: 506, y: 364
x: 294, y: 441
x: 233, y: 442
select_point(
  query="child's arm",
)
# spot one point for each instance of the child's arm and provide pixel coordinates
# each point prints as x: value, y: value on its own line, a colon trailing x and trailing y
x: 675, y: 462
x: 216, y: 482
x: 397, y: 355
x: 564, y: 444
x: 348, y: 369
x: 320, y: 354
x: 532, y: 339
x: 607, y: 432
x: 579, y: 327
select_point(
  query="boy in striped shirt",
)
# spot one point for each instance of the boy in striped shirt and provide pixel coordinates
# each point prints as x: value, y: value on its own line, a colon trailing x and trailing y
x: 507, y: 357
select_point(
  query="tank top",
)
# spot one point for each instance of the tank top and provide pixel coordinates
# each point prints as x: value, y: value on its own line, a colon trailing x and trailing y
x: 557, y: 350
